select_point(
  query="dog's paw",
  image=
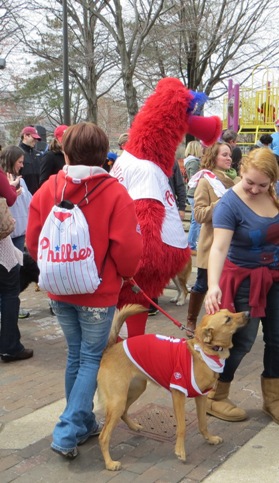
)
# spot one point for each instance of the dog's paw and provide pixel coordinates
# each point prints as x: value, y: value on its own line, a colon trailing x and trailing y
x: 181, y: 302
x: 134, y: 426
x: 180, y: 453
x: 214, y: 439
x: 113, y: 465
x: 174, y: 300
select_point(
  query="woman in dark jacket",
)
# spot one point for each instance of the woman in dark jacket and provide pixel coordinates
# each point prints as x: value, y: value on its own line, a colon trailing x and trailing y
x: 53, y: 160
x: 11, y: 348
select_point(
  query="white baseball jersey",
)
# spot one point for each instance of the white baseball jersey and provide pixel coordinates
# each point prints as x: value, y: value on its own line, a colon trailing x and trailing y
x: 144, y: 179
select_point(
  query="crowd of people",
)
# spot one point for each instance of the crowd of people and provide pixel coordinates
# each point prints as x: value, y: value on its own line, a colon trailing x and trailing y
x: 234, y: 235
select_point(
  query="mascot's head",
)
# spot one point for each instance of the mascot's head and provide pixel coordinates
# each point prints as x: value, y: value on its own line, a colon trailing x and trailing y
x: 166, y: 116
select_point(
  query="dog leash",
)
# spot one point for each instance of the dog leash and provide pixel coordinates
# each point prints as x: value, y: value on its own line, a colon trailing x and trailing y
x: 136, y: 289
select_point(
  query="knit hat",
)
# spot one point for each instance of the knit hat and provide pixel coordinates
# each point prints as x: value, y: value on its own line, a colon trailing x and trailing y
x: 112, y: 156
x: 123, y: 138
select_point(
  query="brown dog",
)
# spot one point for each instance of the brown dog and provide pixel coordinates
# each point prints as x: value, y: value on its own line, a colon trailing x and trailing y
x: 121, y: 381
x: 180, y: 282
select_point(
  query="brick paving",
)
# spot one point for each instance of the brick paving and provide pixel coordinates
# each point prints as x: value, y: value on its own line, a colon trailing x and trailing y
x: 29, y: 387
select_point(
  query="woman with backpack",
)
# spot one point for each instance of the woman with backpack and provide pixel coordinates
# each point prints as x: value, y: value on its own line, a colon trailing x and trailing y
x: 115, y: 238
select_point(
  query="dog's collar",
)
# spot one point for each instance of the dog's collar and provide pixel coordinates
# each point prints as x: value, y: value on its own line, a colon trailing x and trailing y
x: 215, y: 363
x: 215, y: 348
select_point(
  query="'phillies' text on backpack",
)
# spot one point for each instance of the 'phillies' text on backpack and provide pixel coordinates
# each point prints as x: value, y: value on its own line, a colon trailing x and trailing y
x: 65, y: 254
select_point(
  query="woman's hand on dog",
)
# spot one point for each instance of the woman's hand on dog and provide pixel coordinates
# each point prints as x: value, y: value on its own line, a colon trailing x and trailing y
x: 213, y: 299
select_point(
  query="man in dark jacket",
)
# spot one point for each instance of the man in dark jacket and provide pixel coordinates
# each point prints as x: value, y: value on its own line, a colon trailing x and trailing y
x: 178, y: 188
x: 31, y: 169
x: 229, y: 136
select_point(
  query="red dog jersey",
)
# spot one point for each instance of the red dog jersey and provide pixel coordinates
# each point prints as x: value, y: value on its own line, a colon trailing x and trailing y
x: 168, y: 361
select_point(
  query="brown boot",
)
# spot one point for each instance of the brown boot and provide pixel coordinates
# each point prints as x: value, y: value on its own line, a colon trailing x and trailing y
x: 270, y: 390
x: 195, y: 303
x: 221, y: 407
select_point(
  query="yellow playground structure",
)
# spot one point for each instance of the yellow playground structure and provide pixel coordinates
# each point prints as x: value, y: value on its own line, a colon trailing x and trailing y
x: 252, y: 111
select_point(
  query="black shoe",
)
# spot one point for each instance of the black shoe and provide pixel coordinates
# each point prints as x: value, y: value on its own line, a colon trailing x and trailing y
x: 152, y: 312
x: 19, y: 356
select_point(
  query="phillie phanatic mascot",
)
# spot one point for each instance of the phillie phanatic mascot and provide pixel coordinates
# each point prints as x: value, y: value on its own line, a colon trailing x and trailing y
x: 144, y: 168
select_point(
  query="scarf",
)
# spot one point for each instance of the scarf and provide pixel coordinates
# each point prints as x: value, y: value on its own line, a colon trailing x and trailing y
x: 219, y: 187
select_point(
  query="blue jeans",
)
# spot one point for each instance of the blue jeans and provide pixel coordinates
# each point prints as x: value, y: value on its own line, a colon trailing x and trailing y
x: 18, y: 242
x: 194, y: 229
x: 86, y: 330
x: 244, y: 338
x: 9, y: 293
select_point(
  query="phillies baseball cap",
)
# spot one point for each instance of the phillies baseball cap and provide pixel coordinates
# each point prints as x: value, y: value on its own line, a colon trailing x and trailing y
x: 32, y: 131
x: 59, y: 131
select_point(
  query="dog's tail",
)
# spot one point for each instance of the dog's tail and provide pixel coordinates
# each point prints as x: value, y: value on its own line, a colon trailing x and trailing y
x: 119, y: 318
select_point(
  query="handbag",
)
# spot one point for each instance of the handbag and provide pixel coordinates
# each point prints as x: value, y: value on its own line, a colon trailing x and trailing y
x: 7, y: 222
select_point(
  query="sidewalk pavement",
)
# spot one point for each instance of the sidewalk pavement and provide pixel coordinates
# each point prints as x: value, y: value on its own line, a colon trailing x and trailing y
x: 32, y: 398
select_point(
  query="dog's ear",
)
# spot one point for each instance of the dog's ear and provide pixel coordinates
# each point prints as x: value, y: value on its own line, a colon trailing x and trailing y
x: 207, y: 335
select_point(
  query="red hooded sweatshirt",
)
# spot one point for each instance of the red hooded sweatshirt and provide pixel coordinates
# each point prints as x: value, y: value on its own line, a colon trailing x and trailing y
x: 113, y: 226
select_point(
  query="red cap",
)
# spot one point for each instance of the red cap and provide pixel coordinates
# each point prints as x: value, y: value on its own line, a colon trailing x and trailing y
x: 32, y: 131
x: 277, y: 122
x: 59, y: 131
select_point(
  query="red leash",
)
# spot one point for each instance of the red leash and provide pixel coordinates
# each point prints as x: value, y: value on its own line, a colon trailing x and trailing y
x: 137, y: 289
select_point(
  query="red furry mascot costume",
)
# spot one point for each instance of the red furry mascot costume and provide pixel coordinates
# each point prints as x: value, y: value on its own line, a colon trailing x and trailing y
x: 144, y: 168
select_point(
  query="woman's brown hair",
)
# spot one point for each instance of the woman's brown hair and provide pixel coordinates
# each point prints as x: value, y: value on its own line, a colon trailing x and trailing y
x: 85, y: 143
x: 208, y: 160
x: 8, y: 158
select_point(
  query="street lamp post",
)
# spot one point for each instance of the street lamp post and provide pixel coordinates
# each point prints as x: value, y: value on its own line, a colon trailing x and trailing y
x: 66, y: 97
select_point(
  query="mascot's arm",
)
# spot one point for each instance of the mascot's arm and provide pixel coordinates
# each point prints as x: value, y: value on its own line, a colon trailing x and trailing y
x: 150, y: 215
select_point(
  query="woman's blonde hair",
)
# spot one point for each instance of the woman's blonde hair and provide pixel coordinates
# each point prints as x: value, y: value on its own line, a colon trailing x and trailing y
x: 263, y: 160
x: 193, y: 148
x: 208, y: 160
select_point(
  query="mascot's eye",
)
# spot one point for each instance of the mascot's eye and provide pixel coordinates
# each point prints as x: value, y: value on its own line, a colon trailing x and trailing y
x: 228, y: 319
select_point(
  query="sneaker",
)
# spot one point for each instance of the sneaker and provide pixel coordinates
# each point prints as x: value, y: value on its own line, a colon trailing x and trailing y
x: 96, y: 432
x: 23, y: 314
x: 19, y: 356
x: 152, y: 312
x: 70, y: 455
